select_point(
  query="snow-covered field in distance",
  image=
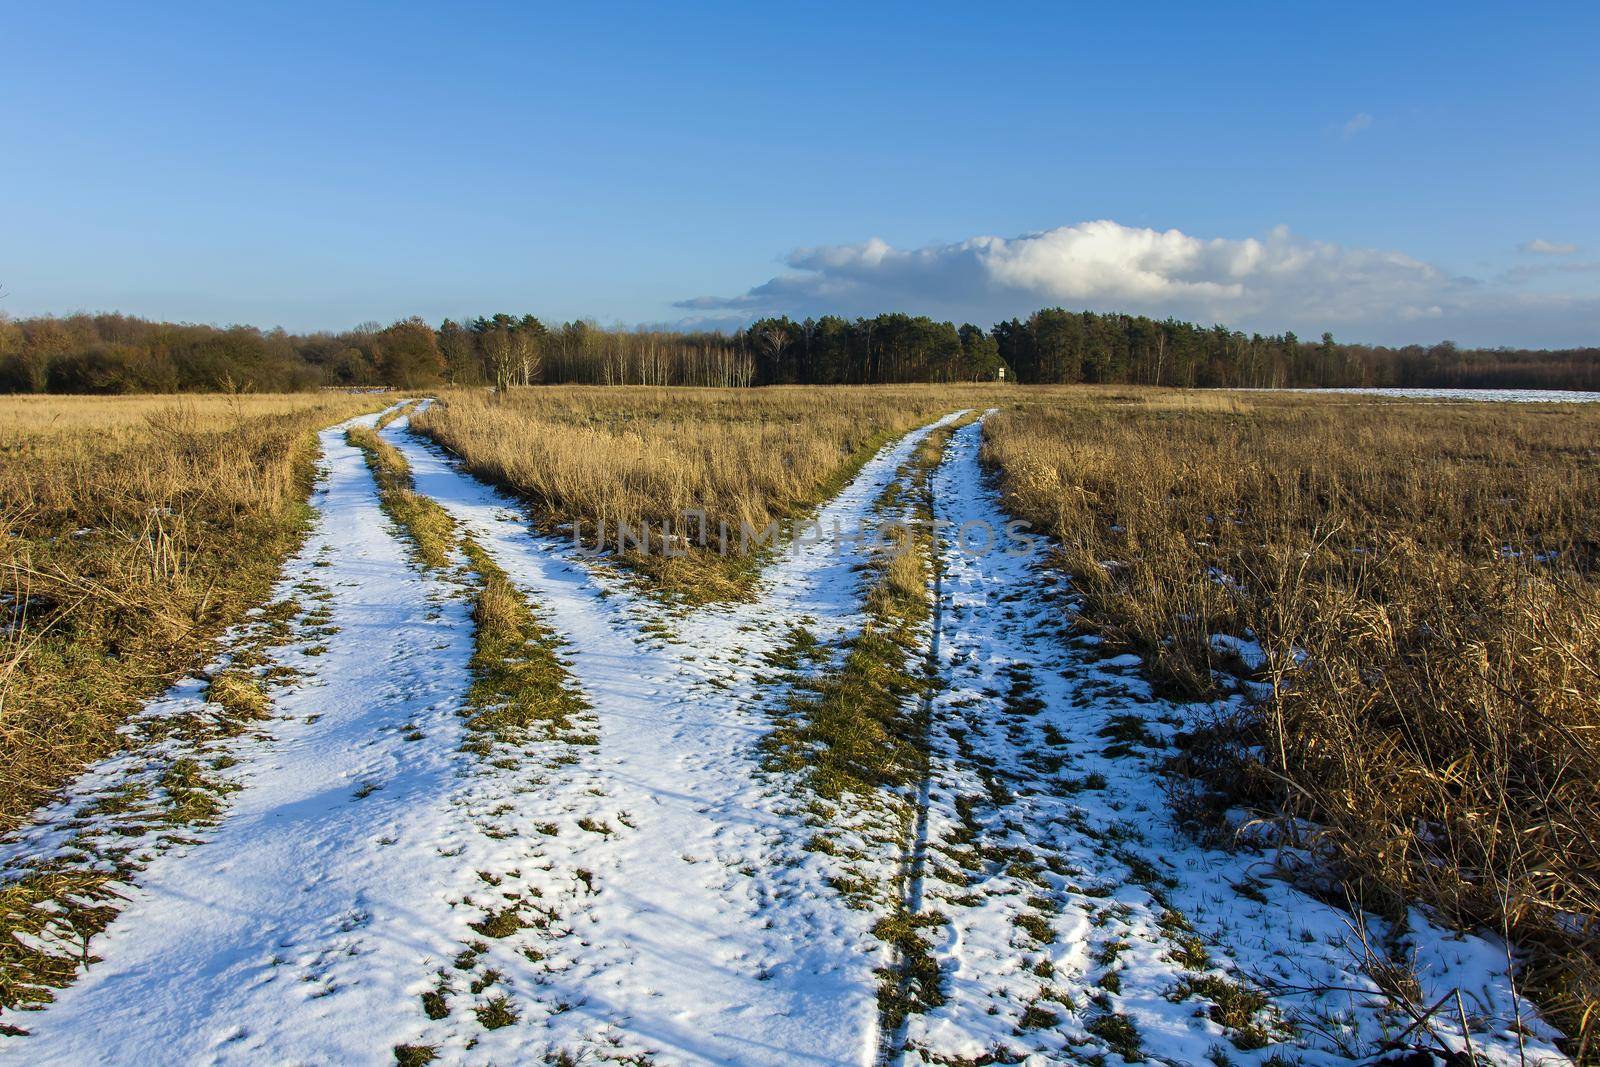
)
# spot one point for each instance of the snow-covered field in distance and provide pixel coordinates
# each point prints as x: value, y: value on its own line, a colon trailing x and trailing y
x: 1508, y: 396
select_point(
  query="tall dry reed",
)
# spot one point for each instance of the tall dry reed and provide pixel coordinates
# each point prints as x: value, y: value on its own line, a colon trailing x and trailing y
x: 1422, y: 579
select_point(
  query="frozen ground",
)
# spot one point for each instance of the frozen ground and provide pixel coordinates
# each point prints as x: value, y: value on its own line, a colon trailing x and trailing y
x: 674, y: 906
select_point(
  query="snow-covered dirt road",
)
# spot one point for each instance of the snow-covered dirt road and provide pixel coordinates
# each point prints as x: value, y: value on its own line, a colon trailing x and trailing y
x: 292, y: 931
x: 1079, y: 914
x: 642, y: 886
x: 701, y: 933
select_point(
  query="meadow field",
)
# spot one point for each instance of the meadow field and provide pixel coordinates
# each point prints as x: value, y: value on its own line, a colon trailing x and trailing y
x: 1410, y: 587
x: 641, y: 456
x: 136, y: 529
x: 1148, y: 725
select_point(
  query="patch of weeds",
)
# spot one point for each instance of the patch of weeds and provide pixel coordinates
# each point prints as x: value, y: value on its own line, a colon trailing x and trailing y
x: 1060, y: 996
x: 1250, y: 889
x: 1247, y: 1014
x: 192, y: 798
x: 1395, y: 977
x: 852, y: 733
x: 40, y: 910
x: 801, y: 646
x: 1037, y: 926
x: 498, y: 924
x: 415, y: 1055
x: 821, y: 843
x: 917, y: 984
x: 1036, y: 1017
x: 1189, y: 951
x: 434, y: 1004
x: 1145, y: 873
x: 519, y: 683
x: 1119, y: 1034
x: 1108, y: 953
x: 1126, y: 733
x: 240, y: 694
x: 497, y: 1013
x: 122, y: 800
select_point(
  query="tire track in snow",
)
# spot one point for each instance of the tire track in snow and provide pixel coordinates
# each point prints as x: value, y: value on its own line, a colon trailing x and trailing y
x: 710, y: 936
x: 294, y: 929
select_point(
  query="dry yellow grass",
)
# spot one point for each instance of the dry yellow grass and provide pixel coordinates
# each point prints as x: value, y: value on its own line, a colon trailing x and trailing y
x: 1422, y: 578
x: 639, y: 455
x: 37, y: 419
x: 134, y: 530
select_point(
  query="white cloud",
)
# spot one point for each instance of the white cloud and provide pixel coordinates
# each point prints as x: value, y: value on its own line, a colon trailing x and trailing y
x: 1270, y: 283
x: 1356, y: 124
x: 1539, y: 246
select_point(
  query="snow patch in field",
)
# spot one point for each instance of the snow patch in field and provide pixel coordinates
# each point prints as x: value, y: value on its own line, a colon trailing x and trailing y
x: 1509, y: 396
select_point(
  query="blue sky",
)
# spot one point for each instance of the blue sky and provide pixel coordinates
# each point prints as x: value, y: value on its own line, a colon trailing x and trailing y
x: 317, y: 166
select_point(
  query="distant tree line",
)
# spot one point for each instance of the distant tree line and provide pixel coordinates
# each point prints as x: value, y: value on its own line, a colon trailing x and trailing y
x: 124, y: 354
x: 887, y: 348
x: 112, y: 353
x: 502, y: 350
x: 1063, y: 346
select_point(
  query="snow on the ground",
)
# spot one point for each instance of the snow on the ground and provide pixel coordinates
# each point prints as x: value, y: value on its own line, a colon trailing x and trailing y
x: 1512, y: 396
x: 295, y: 930
x: 680, y: 916
x: 702, y: 933
x: 1080, y: 915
